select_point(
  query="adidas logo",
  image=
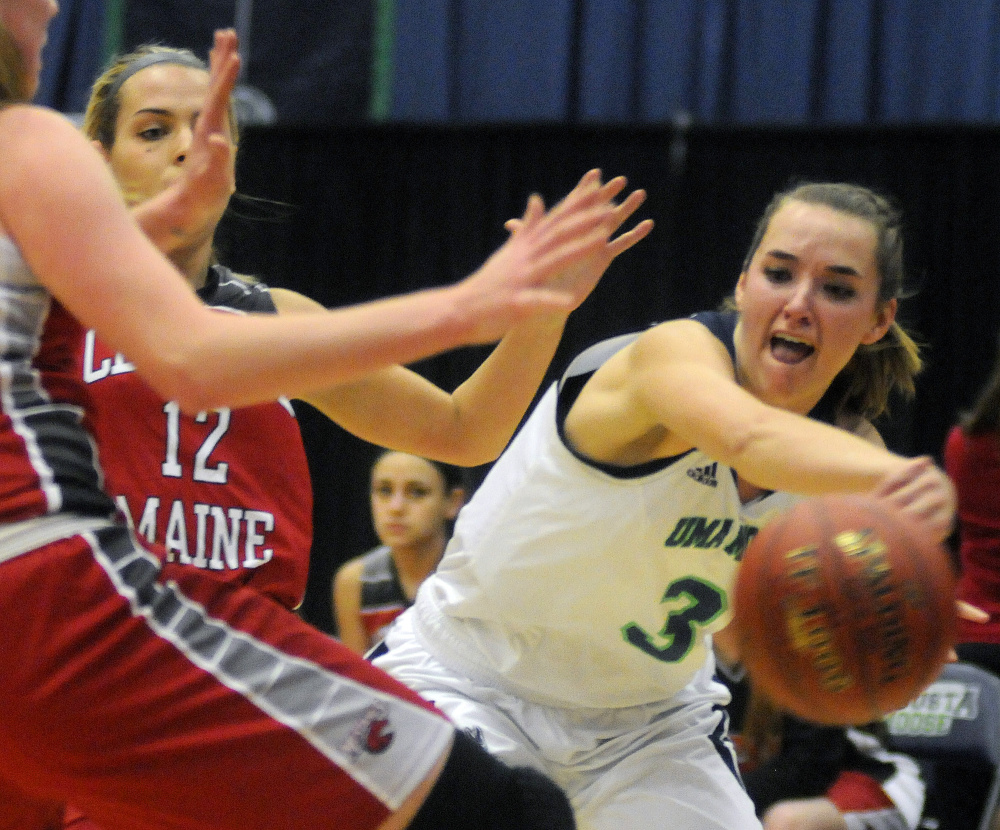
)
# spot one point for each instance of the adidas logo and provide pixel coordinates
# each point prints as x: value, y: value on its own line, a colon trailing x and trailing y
x: 705, y: 475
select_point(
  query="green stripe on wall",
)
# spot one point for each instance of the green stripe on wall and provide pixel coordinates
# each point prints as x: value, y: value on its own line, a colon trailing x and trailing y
x: 380, y: 104
x: 114, y: 30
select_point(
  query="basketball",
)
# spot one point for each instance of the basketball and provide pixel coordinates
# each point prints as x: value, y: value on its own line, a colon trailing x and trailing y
x: 841, y: 611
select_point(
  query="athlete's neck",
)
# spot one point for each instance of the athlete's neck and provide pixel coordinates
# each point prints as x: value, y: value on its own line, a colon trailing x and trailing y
x: 194, y: 264
x: 415, y: 562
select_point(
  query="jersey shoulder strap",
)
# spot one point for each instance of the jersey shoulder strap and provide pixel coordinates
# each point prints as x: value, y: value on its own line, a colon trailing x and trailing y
x: 224, y: 289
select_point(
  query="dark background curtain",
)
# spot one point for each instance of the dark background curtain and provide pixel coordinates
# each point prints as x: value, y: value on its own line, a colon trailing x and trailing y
x: 379, y: 210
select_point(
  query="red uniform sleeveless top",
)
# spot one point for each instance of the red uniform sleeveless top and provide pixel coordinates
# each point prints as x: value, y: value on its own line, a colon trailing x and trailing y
x: 226, y: 491
x: 47, y: 462
x: 973, y: 463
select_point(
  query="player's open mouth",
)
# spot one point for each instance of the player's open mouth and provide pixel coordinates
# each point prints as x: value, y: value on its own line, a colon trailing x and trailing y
x: 786, y: 349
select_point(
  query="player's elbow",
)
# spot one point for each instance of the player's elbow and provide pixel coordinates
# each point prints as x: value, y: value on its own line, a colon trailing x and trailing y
x: 462, y: 449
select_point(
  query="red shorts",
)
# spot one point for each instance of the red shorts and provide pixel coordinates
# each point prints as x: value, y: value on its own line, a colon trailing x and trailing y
x: 152, y: 700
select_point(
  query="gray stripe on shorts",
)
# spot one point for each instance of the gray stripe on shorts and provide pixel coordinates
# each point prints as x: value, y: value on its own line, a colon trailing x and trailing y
x: 338, y: 716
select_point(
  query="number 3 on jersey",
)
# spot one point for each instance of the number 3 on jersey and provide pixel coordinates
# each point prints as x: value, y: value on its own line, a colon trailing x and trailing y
x: 704, y: 603
x: 203, y: 471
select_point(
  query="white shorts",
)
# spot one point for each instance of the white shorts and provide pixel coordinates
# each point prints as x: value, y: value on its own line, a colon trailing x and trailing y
x: 668, y: 764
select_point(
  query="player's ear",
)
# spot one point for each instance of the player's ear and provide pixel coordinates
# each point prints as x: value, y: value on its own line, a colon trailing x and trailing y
x: 884, y: 318
x: 740, y: 290
x: 456, y: 498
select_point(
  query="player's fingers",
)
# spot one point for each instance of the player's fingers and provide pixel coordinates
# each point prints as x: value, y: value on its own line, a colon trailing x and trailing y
x: 588, y: 186
x: 605, y: 194
x: 932, y: 510
x: 223, y: 60
x: 900, y: 479
x: 556, y: 259
x: 588, y: 192
x: 534, y: 210
x: 926, y: 491
x: 581, y: 225
x: 612, y: 188
x: 223, y: 51
x: 970, y: 612
x: 921, y: 496
x: 220, y: 152
x: 626, y: 240
x: 629, y: 205
x: 590, y: 182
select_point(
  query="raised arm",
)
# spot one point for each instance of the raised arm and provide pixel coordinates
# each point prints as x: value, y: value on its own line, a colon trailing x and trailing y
x: 473, y: 424
x: 468, y: 427
x: 675, y: 389
x: 185, y: 215
x: 60, y: 205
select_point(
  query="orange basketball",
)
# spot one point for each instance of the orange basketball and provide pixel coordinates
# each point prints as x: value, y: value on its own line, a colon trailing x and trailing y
x: 842, y: 612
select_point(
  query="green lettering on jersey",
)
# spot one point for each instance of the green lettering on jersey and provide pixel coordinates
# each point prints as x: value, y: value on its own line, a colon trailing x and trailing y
x: 736, y: 548
x: 700, y: 532
x: 702, y: 603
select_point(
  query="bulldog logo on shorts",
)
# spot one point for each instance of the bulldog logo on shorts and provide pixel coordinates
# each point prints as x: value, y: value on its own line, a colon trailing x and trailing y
x: 378, y: 739
x: 371, y: 734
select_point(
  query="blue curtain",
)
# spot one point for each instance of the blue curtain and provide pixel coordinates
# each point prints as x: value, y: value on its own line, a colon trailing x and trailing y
x: 305, y: 62
x: 74, y: 54
x: 725, y: 62
x: 820, y: 62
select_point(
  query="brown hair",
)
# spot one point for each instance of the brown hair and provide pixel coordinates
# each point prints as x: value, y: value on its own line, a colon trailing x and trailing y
x: 892, y: 363
x: 13, y: 81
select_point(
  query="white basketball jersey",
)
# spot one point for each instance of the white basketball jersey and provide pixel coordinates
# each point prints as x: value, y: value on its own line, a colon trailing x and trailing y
x: 577, y: 586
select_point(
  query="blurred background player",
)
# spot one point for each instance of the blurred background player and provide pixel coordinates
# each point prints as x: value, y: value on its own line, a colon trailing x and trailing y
x: 414, y: 502
x: 972, y: 459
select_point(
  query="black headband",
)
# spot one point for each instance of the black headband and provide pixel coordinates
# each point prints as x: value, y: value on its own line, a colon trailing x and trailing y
x: 151, y: 59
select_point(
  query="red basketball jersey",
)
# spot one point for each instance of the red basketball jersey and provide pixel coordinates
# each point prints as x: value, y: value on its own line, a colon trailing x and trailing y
x: 47, y: 461
x: 227, y: 491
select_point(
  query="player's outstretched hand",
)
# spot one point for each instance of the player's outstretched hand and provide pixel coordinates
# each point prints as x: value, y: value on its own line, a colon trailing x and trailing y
x: 580, y: 279
x: 553, y: 259
x: 922, y: 492
x: 198, y: 198
x: 212, y: 143
x: 967, y: 611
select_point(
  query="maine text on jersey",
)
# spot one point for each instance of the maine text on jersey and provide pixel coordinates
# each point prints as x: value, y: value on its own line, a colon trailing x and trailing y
x: 224, y: 538
x: 117, y: 365
x: 701, y: 532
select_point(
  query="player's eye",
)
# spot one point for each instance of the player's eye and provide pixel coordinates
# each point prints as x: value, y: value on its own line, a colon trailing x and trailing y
x: 777, y: 275
x: 152, y: 133
x: 417, y: 491
x: 840, y: 291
